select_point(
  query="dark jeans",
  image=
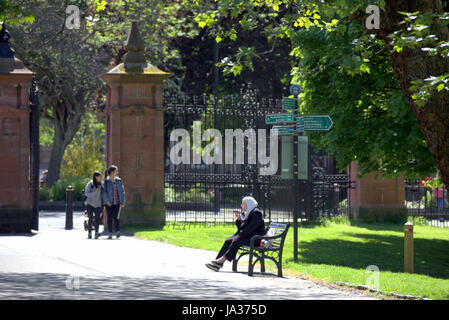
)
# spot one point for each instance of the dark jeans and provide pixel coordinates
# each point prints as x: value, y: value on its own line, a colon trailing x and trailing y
x: 90, y: 212
x: 229, y: 248
x: 440, y: 204
x: 113, y: 216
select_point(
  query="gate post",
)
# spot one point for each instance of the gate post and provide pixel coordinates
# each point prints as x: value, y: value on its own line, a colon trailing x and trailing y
x: 35, y: 155
x: 377, y: 199
x: 135, y: 132
x: 15, y: 174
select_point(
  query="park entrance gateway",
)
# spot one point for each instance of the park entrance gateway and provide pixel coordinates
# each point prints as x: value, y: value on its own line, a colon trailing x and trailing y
x: 19, y: 143
x: 134, y: 132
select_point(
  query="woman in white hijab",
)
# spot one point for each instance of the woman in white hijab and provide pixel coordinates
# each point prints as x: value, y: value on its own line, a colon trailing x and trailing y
x: 248, y: 205
x: 249, y: 223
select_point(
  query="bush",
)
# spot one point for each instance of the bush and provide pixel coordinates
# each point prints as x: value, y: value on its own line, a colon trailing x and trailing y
x: 327, y: 221
x: 428, y: 200
x: 194, y: 194
x: 82, y: 159
x: 418, y: 220
x: 58, y: 190
x: 45, y: 193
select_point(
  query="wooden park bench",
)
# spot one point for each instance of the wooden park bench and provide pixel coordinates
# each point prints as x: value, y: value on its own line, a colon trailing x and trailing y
x: 272, y: 252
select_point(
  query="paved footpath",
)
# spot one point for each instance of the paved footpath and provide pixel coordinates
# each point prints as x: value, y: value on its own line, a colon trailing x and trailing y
x: 59, y: 264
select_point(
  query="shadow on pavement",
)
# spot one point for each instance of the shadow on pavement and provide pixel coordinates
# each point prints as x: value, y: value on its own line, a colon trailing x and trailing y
x: 67, y: 287
x: 32, y: 234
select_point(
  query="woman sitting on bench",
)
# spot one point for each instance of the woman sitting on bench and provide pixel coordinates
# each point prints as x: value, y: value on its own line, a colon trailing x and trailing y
x: 249, y: 223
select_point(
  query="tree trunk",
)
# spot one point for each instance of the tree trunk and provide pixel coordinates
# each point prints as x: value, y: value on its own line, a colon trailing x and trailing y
x: 56, y: 155
x: 414, y: 64
x: 66, y: 125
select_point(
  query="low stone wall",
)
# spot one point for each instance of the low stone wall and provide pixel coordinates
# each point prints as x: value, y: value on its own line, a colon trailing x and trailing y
x: 389, y: 215
x: 15, y: 220
x: 60, y: 205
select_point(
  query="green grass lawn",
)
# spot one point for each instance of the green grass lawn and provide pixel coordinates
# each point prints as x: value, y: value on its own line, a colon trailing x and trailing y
x: 342, y: 252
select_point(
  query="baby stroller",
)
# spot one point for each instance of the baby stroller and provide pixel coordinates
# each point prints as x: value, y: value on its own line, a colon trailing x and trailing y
x: 86, y: 220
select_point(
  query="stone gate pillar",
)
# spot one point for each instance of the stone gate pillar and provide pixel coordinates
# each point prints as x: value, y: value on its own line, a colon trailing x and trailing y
x: 135, y: 133
x: 15, y: 193
x: 378, y: 199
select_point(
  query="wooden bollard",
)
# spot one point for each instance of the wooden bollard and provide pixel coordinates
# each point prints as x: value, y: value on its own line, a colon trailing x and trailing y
x: 408, y: 247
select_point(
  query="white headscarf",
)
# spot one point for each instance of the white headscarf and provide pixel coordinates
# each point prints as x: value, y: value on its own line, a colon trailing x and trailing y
x: 251, y: 203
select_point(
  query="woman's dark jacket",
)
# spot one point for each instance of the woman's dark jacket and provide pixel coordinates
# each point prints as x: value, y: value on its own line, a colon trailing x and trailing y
x: 251, y: 226
x: 107, y: 191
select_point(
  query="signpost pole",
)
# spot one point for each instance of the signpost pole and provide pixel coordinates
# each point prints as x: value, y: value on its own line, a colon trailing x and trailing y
x: 295, y: 90
x: 295, y: 199
x: 216, y: 84
x: 303, y: 123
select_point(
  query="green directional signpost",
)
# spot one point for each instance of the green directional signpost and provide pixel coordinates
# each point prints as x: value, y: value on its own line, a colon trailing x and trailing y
x: 300, y: 124
x: 313, y: 123
x: 284, y: 130
x: 289, y: 104
x: 279, y: 118
x: 288, y: 125
x: 317, y: 123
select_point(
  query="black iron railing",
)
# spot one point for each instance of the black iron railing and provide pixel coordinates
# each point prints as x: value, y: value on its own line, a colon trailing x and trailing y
x: 426, y: 205
x: 208, y: 194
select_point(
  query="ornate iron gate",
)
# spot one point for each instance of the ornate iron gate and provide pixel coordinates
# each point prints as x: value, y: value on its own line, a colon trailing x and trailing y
x: 34, y: 154
x: 208, y: 194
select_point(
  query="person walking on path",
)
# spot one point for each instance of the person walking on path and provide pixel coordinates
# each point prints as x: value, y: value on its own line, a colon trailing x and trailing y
x: 440, y: 199
x: 249, y: 223
x: 94, y: 202
x: 114, y: 198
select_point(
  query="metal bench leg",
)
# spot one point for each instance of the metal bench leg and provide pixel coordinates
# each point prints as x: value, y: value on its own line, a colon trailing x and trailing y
x: 280, y: 266
x: 280, y: 270
x: 262, y: 263
x: 250, y: 266
x: 234, y: 265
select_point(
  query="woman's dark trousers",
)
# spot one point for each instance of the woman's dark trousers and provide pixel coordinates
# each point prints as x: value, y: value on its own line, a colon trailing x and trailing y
x: 90, y: 213
x: 229, y: 248
x: 113, y: 217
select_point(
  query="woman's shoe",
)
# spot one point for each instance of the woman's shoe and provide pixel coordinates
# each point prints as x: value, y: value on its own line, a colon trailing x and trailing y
x: 110, y: 236
x: 97, y: 235
x: 212, y: 267
x: 117, y: 235
x: 89, y: 235
x: 217, y: 264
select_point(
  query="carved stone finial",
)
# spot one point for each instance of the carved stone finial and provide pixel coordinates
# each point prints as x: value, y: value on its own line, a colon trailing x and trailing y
x: 5, y: 48
x: 135, y: 58
x: 6, y: 53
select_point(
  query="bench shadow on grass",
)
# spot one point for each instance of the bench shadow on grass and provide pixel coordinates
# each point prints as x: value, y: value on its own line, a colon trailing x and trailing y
x: 431, y: 256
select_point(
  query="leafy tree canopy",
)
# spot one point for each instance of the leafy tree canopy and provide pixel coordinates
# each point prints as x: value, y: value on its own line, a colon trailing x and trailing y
x: 347, y: 72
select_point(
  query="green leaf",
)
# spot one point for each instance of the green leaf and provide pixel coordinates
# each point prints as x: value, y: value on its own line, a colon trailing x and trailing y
x: 237, y: 69
x: 365, y: 68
